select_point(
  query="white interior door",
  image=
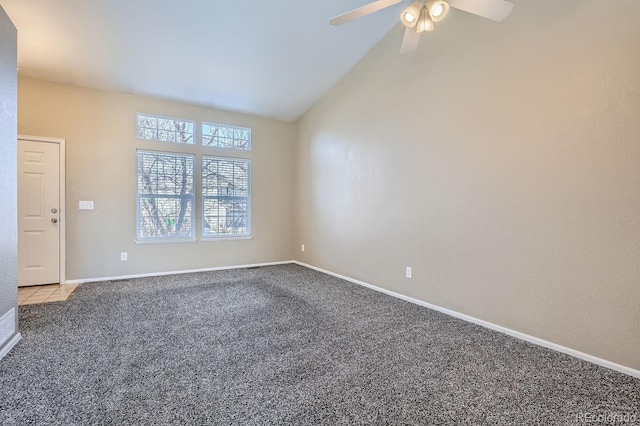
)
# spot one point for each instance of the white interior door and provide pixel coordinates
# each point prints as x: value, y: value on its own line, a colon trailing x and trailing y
x: 38, y: 213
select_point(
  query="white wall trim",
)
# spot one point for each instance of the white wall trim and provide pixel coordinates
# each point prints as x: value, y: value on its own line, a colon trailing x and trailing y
x: 10, y: 344
x: 186, y: 271
x: 7, y: 325
x: 63, y: 197
x: 599, y: 361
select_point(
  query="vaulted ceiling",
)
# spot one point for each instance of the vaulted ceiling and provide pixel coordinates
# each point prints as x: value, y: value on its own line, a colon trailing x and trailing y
x: 271, y: 58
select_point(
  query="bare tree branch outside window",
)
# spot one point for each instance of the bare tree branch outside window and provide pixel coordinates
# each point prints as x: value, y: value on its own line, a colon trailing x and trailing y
x: 165, y: 129
x: 219, y: 136
x: 165, y: 195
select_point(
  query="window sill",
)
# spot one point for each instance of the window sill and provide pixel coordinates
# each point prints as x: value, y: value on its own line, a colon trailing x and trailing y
x: 167, y: 240
x: 226, y: 238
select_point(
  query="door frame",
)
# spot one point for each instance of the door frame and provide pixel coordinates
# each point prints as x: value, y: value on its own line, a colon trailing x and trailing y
x: 62, y: 207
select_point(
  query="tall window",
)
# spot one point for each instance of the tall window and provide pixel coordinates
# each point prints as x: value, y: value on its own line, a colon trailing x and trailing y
x: 165, y: 195
x: 225, y: 196
x: 166, y: 188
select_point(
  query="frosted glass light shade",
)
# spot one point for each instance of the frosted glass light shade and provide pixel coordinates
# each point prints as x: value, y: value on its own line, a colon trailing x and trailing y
x: 438, y: 9
x: 411, y: 15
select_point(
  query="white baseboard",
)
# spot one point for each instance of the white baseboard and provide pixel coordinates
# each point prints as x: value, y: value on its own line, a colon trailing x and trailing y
x: 10, y: 344
x: 599, y: 361
x: 186, y: 271
x: 7, y: 325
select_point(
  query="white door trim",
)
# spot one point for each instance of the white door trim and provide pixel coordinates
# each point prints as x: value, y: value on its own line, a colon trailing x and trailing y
x: 63, y: 211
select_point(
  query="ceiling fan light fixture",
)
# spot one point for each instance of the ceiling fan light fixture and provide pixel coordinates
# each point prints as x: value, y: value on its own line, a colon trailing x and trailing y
x: 425, y: 23
x: 411, y: 15
x: 438, y: 9
x: 421, y: 15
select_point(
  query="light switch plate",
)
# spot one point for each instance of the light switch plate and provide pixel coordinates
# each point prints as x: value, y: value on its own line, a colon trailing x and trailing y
x: 85, y: 205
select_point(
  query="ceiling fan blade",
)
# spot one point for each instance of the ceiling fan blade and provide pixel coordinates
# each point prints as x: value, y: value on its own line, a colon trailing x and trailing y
x: 496, y: 10
x: 410, y: 40
x: 362, y: 11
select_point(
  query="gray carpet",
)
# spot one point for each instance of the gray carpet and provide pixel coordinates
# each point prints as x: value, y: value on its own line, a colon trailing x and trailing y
x: 284, y: 345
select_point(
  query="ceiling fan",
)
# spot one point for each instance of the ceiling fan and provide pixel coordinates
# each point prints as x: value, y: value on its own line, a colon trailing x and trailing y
x: 421, y: 15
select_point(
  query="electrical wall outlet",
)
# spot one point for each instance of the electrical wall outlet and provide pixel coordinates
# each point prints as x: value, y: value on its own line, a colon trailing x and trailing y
x: 123, y: 255
x: 408, y: 272
x: 302, y: 248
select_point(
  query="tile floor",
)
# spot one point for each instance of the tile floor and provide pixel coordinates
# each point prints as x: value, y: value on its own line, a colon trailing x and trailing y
x: 45, y: 293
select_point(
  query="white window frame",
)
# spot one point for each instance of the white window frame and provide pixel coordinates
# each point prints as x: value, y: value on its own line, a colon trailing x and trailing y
x: 161, y: 117
x: 226, y: 126
x: 166, y: 239
x: 217, y: 237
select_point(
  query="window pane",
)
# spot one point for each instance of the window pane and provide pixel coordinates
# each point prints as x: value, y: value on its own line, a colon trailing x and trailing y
x: 165, y: 129
x: 147, y: 133
x: 166, y: 136
x: 165, y: 195
x: 226, y: 196
x: 219, y: 136
x: 225, y: 217
x: 162, y: 217
x: 165, y: 124
x: 225, y: 177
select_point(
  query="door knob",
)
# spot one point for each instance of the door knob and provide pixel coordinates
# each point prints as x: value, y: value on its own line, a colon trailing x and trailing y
x: 54, y: 210
x: 54, y: 220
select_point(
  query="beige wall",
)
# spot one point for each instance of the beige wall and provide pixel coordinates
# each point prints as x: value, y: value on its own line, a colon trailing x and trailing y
x: 8, y: 173
x: 501, y: 161
x: 100, y: 132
